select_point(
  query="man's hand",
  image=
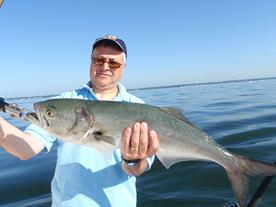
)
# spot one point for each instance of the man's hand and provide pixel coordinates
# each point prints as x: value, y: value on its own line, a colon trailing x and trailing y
x: 138, y: 143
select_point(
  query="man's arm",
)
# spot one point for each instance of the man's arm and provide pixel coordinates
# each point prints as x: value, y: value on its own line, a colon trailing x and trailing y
x: 138, y: 143
x: 17, y: 142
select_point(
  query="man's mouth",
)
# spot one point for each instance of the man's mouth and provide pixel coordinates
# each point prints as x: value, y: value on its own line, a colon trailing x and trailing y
x: 103, y: 74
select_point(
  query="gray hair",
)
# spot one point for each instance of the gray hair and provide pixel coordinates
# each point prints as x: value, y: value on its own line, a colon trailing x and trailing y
x: 124, y: 55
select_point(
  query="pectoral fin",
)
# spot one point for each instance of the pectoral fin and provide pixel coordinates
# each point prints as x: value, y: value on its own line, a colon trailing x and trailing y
x: 101, y: 136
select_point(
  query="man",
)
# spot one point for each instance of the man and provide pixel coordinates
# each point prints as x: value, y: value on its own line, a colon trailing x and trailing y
x: 84, y: 176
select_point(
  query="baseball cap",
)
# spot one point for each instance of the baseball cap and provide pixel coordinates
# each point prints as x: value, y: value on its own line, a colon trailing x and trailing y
x: 110, y: 39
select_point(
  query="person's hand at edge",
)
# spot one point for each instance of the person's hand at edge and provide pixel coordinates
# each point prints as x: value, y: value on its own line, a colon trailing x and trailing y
x: 138, y: 144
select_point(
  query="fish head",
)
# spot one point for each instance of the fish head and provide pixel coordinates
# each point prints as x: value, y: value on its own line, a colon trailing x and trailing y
x: 62, y: 118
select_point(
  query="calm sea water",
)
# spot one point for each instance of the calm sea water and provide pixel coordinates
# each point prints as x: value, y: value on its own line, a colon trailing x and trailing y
x: 241, y: 116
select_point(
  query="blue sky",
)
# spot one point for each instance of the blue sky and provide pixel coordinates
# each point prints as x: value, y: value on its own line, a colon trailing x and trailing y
x: 45, y: 45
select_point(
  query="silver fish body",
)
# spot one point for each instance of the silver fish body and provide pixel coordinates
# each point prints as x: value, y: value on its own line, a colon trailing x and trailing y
x: 100, y: 124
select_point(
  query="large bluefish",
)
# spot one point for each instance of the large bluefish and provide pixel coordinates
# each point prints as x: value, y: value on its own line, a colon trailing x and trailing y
x: 100, y: 124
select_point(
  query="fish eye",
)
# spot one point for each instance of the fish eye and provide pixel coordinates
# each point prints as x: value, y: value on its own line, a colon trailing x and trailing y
x: 49, y: 113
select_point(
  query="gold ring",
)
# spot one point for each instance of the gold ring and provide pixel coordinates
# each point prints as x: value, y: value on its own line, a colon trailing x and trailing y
x: 133, y: 148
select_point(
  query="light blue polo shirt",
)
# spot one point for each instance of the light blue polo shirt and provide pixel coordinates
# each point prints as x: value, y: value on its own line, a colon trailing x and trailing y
x: 84, y: 177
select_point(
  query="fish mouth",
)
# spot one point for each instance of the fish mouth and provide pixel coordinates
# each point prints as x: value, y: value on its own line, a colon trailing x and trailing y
x: 32, y: 116
x: 37, y: 117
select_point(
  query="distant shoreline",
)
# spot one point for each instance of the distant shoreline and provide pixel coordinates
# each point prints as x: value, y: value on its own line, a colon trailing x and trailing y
x: 166, y: 86
x: 203, y: 83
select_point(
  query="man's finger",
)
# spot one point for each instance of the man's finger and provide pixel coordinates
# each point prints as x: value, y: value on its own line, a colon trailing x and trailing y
x: 125, y: 141
x: 143, y: 142
x: 153, y: 143
x: 134, y: 140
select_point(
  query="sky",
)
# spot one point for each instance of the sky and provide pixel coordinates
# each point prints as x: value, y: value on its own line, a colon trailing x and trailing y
x: 45, y: 45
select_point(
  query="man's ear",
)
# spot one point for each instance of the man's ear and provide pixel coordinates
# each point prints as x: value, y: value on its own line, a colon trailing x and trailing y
x: 124, y: 66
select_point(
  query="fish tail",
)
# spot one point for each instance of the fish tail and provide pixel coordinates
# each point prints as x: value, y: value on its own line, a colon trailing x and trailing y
x: 240, y: 172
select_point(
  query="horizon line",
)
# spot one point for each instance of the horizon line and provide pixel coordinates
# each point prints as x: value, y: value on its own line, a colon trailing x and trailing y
x: 165, y: 86
x: 201, y: 83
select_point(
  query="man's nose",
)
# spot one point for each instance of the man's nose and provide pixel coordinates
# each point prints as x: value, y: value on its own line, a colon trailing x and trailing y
x: 106, y: 66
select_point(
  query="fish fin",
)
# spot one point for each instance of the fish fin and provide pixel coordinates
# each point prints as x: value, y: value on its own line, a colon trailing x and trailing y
x: 166, y: 161
x: 169, y: 159
x: 101, y: 136
x: 239, y: 176
x: 178, y: 114
x: 175, y: 112
x: 240, y: 186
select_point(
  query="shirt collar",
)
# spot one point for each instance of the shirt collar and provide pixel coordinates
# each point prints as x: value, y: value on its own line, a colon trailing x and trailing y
x: 121, y: 96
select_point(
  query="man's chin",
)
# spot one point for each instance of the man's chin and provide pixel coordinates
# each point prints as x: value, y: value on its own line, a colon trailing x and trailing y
x: 103, y: 83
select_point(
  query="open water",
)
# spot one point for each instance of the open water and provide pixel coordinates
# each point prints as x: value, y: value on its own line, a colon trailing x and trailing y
x: 241, y: 116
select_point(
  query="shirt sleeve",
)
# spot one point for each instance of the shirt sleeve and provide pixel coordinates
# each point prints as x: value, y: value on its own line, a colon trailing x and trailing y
x: 41, y: 135
x: 150, y: 161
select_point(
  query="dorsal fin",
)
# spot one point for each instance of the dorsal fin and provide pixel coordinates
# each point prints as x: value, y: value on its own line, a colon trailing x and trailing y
x: 175, y: 112
x: 178, y: 114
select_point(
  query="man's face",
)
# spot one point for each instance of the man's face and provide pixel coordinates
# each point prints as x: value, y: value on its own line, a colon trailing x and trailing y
x: 107, y: 67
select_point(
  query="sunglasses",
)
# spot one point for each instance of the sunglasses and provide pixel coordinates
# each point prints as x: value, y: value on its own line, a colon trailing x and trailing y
x: 111, y: 63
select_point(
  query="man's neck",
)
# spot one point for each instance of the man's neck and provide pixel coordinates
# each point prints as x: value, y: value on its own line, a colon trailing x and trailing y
x: 105, y: 94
